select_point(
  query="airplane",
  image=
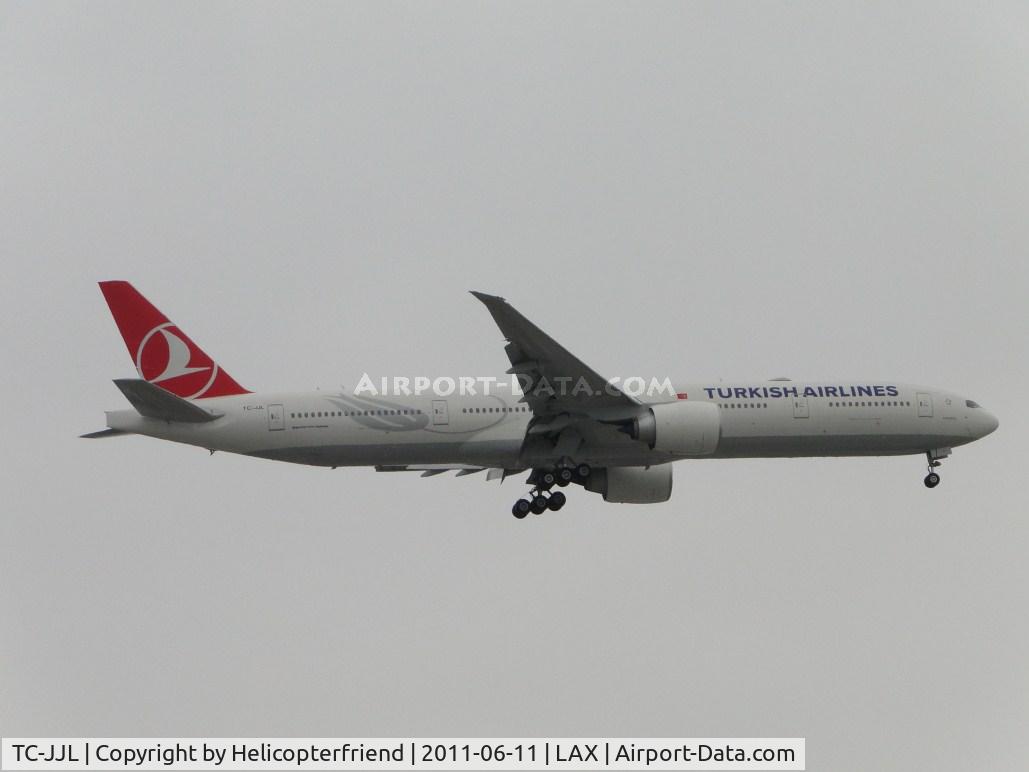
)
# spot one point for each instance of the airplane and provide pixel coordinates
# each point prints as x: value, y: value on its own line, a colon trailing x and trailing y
x: 595, y: 434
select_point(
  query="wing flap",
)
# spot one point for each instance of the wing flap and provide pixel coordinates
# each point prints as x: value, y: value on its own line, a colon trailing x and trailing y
x: 431, y: 470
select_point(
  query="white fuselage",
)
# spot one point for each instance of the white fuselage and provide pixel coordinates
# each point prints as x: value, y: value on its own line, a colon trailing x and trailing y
x: 758, y: 419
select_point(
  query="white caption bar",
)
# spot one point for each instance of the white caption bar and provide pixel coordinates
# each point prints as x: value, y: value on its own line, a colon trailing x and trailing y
x: 321, y: 753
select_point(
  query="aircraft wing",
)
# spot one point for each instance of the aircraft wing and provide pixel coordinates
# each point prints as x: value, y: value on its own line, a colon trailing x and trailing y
x: 554, y: 380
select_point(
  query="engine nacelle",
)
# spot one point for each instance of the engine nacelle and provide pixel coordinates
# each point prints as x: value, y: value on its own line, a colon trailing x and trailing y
x: 680, y: 428
x: 632, y: 484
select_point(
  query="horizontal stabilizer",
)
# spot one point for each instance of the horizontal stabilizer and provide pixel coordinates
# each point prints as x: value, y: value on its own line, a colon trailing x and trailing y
x: 154, y: 402
x: 102, y: 434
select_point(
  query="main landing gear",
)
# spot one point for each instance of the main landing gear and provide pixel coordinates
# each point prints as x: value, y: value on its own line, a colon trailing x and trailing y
x: 935, y: 458
x: 538, y: 502
x: 540, y: 498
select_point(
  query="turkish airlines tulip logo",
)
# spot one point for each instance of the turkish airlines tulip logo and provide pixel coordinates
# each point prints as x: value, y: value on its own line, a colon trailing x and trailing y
x: 169, y: 359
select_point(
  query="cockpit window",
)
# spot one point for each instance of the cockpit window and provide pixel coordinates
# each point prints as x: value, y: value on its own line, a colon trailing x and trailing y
x: 971, y: 403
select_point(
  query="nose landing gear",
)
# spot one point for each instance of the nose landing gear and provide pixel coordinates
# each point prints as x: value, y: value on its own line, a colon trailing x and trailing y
x: 935, y: 458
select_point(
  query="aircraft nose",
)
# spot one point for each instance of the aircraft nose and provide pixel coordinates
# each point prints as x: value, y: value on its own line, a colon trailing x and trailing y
x: 990, y: 423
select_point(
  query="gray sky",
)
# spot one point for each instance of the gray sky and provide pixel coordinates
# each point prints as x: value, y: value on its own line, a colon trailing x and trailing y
x: 703, y: 191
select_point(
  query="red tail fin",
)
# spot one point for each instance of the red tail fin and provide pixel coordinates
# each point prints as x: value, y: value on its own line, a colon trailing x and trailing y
x: 164, y: 354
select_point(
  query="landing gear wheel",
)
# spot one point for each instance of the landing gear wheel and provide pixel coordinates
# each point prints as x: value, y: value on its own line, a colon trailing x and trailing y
x: 556, y: 501
x: 547, y: 480
x: 564, y: 476
x: 521, y: 508
x: 931, y: 480
x: 539, y: 504
x: 582, y: 471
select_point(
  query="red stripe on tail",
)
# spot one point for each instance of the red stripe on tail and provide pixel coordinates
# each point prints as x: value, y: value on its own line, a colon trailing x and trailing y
x: 162, y: 353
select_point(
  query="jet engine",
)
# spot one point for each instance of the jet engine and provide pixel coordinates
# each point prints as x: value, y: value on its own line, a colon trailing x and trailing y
x: 679, y: 428
x: 632, y: 484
